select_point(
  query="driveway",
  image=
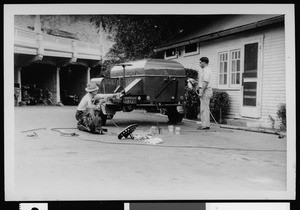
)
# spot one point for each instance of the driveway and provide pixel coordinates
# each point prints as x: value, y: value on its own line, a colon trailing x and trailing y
x: 220, y: 163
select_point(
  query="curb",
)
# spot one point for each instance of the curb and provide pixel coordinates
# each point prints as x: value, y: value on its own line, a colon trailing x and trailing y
x: 258, y: 130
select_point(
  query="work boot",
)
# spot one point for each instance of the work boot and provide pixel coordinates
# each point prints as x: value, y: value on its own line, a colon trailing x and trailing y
x: 98, y: 131
x: 83, y: 128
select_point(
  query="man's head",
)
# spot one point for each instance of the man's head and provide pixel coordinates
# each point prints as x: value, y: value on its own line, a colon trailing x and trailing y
x: 203, y: 61
x: 92, y: 88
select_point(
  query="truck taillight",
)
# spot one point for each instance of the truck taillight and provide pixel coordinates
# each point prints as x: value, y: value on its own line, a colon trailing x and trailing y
x: 148, y: 98
x: 139, y: 98
x: 172, y: 97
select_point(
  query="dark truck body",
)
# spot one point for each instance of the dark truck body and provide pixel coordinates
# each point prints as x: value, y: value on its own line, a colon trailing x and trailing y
x: 152, y: 85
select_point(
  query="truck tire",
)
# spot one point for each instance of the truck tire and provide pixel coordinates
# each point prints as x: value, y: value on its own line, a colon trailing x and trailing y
x: 174, y: 116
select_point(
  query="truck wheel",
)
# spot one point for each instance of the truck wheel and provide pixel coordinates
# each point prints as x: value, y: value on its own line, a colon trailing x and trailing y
x: 174, y: 116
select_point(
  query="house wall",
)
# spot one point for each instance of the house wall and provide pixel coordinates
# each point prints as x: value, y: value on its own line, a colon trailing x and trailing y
x: 272, y: 81
x: 274, y: 74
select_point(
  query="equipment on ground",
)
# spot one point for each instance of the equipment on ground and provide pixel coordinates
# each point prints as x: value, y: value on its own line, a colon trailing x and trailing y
x: 128, y: 132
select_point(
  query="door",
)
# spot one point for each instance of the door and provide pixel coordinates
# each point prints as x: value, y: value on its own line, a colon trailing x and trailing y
x: 251, y: 80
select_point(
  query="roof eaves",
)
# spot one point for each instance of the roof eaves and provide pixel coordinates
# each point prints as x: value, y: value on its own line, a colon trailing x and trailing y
x: 223, y: 33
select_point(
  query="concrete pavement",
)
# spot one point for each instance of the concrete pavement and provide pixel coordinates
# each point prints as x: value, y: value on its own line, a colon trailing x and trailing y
x: 220, y: 163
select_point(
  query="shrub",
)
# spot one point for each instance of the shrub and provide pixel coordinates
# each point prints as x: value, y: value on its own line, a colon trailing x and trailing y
x: 219, y: 104
x: 281, y: 113
x: 192, y: 102
x: 191, y: 73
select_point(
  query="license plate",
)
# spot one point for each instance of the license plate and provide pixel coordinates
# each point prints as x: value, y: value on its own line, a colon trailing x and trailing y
x: 130, y: 100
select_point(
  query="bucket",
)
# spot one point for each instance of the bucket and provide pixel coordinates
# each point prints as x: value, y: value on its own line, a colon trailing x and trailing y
x: 153, y: 130
x: 177, y: 130
x: 171, y: 128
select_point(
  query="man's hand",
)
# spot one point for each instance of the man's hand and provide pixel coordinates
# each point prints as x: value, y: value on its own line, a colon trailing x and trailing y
x: 200, y: 93
x: 97, y: 107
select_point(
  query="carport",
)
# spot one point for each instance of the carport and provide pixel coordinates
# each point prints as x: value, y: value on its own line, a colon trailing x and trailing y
x: 63, y: 77
x: 47, y: 61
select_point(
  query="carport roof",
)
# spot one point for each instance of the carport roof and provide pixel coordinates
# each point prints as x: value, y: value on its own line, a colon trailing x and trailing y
x: 221, y: 25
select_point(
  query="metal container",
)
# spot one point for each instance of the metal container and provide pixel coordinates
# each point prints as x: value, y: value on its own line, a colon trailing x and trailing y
x: 160, y: 80
x: 155, y: 85
x: 171, y: 128
x: 153, y: 130
x: 177, y: 130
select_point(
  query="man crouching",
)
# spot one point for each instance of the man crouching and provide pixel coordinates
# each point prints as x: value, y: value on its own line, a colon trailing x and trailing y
x: 87, y: 112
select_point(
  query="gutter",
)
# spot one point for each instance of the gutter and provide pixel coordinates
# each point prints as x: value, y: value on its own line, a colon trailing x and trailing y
x: 223, y: 33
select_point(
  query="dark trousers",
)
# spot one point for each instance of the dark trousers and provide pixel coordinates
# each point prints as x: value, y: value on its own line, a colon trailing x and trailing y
x: 88, y: 121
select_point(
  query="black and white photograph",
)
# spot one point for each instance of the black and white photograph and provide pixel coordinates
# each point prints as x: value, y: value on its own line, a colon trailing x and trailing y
x: 149, y: 102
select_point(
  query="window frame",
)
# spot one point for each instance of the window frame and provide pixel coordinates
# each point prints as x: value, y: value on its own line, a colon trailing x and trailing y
x: 219, y: 66
x: 229, y: 84
x: 193, y: 52
x: 240, y: 72
x: 173, y: 56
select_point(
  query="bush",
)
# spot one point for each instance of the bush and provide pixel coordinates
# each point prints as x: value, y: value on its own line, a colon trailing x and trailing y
x: 192, y: 102
x: 219, y: 104
x: 191, y: 73
x: 281, y: 113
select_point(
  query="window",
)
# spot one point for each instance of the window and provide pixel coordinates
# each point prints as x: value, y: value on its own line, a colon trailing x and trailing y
x: 230, y: 69
x: 235, y: 67
x: 190, y: 48
x: 223, y: 57
x: 170, y: 52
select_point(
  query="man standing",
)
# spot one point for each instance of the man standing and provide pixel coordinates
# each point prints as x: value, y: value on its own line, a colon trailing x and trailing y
x: 205, y: 92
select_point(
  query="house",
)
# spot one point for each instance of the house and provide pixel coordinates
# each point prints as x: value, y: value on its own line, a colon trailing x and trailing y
x: 247, y: 57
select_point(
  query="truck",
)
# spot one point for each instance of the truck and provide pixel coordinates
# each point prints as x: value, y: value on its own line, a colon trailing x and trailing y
x: 154, y: 85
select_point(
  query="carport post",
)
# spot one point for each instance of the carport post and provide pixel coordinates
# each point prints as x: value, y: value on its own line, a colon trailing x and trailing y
x: 19, y: 69
x: 57, y: 85
x: 88, y: 75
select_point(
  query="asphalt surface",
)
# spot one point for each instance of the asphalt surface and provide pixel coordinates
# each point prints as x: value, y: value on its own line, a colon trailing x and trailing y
x: 220, y: 163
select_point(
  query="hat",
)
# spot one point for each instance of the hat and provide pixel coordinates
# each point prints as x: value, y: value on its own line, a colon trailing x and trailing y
x: 91, y: 87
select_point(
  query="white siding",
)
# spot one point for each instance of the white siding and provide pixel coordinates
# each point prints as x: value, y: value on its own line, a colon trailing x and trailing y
x: 274, y: 87
x: 273, y: 91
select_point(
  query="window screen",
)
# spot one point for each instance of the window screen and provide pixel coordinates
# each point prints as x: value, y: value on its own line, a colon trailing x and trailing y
x: 250, y: 63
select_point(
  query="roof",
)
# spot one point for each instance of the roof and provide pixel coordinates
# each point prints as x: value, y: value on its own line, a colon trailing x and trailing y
x: 221, y: 25
x: 148, y: 66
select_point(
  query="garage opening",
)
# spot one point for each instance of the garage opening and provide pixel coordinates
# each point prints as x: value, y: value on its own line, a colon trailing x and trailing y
x: 38, y: 84
x: 73, y: 80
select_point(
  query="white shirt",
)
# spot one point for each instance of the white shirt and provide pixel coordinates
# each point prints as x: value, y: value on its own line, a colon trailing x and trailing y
x: 205, y: 74
x: 85, y: 101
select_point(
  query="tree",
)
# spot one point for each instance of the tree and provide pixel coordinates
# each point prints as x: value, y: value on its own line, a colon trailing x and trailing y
x: 136, y: 36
